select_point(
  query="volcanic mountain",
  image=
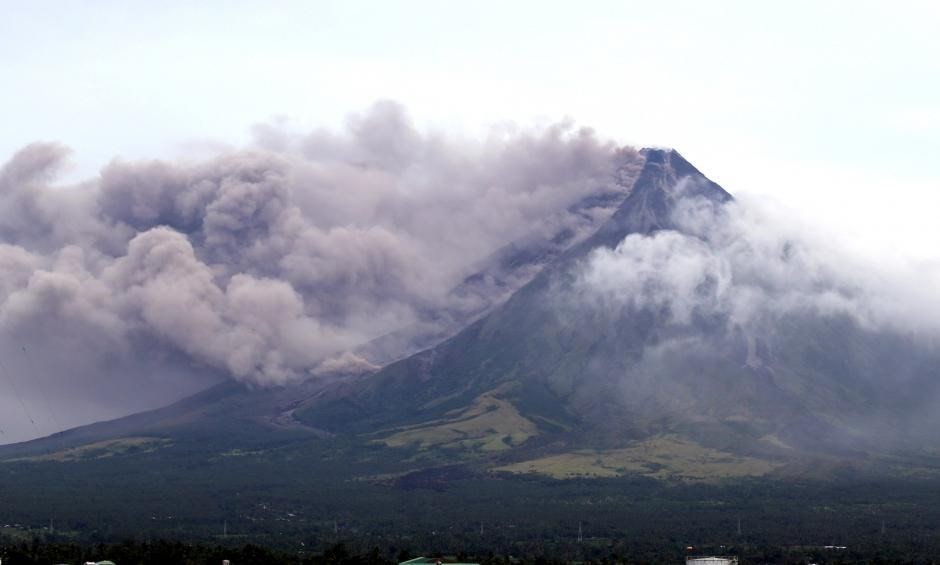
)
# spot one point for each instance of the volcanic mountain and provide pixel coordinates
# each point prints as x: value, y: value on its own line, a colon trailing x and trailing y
x: 602, y: 377
x: 547, y: 382
x: 599, y: 388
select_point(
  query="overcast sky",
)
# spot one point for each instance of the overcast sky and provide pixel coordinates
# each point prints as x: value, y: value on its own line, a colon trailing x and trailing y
x: 833, y: 108
x: 831, y: 111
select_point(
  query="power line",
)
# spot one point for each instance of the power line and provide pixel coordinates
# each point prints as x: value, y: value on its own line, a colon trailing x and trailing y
x: 12, y: 380
x: 42, y: 387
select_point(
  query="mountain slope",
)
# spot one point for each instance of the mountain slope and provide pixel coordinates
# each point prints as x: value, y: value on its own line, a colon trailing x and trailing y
x: 524, y: 340
x: 814, y: 383
x: 498, y: 276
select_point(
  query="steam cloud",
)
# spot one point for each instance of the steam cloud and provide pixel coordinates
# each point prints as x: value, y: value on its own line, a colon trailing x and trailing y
x: 746, y: 310
x: 274, y: 263
x: 752, y: 265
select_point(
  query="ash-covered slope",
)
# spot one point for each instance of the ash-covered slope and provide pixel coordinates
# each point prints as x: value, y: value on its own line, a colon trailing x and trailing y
x: 227, y: 415
x: 505, y: 271
x: 525, y: 340
x: 593, y: 376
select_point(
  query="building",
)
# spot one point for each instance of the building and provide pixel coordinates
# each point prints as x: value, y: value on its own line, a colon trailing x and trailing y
x: 433, y: 561
x: 710, y: 560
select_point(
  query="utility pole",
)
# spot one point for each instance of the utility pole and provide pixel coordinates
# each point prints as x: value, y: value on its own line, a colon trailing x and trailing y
x: 580, y: 533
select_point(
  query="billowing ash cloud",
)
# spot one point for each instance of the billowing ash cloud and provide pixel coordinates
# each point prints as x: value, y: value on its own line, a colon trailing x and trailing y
x: 750, y: 264
x: 277, y: 262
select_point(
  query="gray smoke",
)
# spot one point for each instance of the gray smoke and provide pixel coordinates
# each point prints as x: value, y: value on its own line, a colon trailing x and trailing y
x: 273, y: 263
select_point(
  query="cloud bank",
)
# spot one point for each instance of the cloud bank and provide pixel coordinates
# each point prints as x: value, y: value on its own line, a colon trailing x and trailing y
x: 750, y: 263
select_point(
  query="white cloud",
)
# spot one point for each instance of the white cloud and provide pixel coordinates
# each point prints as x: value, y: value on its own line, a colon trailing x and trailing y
x: 752, y: 264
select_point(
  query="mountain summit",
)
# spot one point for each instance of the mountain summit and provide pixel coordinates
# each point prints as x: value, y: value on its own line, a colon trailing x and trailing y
x: 665, y: 178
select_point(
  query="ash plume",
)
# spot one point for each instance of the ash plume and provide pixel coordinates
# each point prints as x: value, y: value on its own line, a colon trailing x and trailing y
x: 273, y: 263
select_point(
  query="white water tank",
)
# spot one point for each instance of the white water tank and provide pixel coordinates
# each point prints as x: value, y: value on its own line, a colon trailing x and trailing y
x: 711, y: 561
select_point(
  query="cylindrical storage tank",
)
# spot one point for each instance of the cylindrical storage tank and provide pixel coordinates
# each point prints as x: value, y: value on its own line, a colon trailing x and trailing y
x: 711, y: 561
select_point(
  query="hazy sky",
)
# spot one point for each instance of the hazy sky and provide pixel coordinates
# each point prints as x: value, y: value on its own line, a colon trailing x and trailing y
x: 833, y: 111
x: 833, y: 108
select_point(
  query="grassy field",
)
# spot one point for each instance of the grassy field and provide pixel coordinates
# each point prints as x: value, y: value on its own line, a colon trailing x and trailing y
x: 489, y: 424
x: 664, y: 457
x: 102, y: 449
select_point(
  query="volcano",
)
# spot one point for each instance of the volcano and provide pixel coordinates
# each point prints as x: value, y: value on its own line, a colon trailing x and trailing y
x: 548, y: 384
